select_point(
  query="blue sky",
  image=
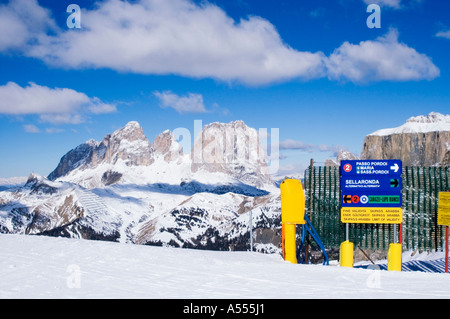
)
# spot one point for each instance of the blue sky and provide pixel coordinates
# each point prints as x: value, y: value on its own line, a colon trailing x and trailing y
x: 312, y: 69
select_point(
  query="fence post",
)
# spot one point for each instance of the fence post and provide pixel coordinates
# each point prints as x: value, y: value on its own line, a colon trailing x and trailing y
x: 311, y: 165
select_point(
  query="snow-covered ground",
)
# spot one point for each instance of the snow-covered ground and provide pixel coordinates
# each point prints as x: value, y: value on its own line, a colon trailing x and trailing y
x: 47, y: 267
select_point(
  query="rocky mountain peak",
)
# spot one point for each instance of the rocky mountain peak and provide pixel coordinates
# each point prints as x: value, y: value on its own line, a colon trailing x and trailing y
x: 421, y: 141
x: 433, y: 122
x: 127, y: 144
x: 165, y: 144
x: 433, y: 117
x: 232, y: 148
x: 39, y: 184
x: 132, y: 131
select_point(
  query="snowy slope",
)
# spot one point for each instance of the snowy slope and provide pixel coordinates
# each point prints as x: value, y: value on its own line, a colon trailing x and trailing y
x: 433, y: 122
x: 45, y: 267
x: 190, y: 214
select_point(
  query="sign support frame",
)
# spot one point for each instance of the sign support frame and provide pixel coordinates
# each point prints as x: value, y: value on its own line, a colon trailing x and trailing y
x: 446, y: 249
x: 443, y: 220
x: 366, y: 179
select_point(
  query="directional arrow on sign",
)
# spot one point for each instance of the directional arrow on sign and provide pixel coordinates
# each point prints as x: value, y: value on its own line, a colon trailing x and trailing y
x: 394, y: 182
x: 347, y: 199
x: 395, y: 167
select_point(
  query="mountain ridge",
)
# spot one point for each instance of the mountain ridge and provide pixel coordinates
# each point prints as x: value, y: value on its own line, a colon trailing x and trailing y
x: 126, y: 189
x: 420, y: 141
x: 223, y: 149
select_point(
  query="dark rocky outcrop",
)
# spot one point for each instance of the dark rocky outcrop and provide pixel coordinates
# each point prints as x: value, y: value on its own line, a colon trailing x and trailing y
x: 421, y: 141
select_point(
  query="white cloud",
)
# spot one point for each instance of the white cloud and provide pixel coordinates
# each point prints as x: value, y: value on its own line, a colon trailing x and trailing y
x: 62, y: 118
x: 23, y: 21
x: 54, y: 105
x: 96, y: 106
x: 200, y: 41
x: 292, y: 170
x: 52, y: 130
x: 192, y: 103
x: 177, y: 37
x: 385, y: 3
x: 36, y: 99
x: 290, y: 144
x: 31, y: 128
x: 443, y: 34
x: 384, y: 59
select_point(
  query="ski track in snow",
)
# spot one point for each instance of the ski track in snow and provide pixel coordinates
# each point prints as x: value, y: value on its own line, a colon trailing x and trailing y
x: 47, y: 267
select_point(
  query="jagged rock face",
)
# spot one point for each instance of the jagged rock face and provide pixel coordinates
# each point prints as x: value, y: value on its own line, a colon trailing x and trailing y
x: 446, y: 159
x: 166, y: 146
x: 421, y: 141
x: 111, y: 177
x: 40, y: 205
x: 414, y: 149
x: 76, y: 157
x: 232, y: 148
x: 128, y: 144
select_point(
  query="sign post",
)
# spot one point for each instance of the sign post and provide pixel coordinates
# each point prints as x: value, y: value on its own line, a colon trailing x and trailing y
x: 444, y: 219
x: 371, y: 193
x: 251, y: 230
x: 446, y: 249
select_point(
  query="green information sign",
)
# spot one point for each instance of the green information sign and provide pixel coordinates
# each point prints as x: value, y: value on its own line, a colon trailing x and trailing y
x: 381, y: 199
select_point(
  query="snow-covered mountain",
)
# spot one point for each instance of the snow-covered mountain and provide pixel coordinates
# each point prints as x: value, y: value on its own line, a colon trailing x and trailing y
x: 95, y: 164
x: 433, y: 122
x: 223, y: 154
x: 233, y: 149
x: 127, y: 189
x: 421, y: 141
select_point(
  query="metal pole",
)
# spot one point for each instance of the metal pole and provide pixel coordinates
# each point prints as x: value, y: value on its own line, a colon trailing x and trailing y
x: 311, y: 165
x: 446, y: 249
x: 395, y: 233
x: 251, y: 232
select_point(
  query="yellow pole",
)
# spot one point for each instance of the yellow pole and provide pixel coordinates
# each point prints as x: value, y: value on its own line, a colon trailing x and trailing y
x: 395, y: 257
x: 289, y: 243
x: 346, y: 254
x: 292, y: 202
x: 292, y: 213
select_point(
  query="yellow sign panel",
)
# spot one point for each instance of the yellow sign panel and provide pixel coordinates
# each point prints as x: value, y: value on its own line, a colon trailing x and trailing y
x: 444, y: 209
x: 372, y: 215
